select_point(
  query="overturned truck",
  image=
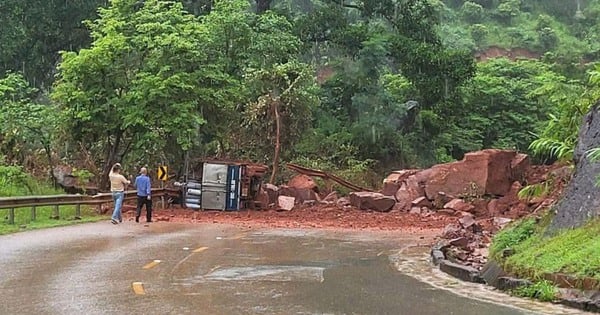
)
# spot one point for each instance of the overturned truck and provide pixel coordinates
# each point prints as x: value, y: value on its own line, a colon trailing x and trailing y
x: 224, y: 185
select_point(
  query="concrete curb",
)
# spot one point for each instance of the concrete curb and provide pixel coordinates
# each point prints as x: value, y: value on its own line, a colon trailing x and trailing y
x: 493, y: 275
x: 461, y: 272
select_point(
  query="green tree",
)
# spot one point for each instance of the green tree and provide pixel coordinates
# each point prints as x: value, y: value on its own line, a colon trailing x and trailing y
x: 283, y: 110
x: 145, y: 80
x: 507, y: 10
x: 472, y: 12
x: 34, y: 31
x: 27, y: 125
x: 479, y: 33
x: 279, y: 91
x: 502, y: 109
x: 547, y: 36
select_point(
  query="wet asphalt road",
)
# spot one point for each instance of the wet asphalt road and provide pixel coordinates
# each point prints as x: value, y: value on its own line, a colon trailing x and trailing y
x: 169, y: 268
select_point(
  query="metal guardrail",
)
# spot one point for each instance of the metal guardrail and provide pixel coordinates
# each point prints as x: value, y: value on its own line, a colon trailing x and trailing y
x: 12, y: 203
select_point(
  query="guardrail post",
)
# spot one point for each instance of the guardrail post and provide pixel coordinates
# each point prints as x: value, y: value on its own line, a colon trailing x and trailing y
x: 162, y: 197
x: 56, y: 214
x: 11, y: 216
x: 78, y: 212
x: 33, y: 214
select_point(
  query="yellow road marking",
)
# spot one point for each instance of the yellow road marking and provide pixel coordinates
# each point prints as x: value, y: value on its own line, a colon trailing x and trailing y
x: 200, y: 249
x: 152, y: 264
x: 195, y: 251
x: 138, y: 288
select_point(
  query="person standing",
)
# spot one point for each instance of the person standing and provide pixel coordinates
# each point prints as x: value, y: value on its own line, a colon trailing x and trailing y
x: 144, y: 197
x: 118, y: 183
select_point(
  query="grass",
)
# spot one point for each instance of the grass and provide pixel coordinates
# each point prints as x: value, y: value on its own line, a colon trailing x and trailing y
x: 574, y: 252
x: 512, y: 236
x: 15, y: 182
x: 543, y: 290
x: 67, y: 217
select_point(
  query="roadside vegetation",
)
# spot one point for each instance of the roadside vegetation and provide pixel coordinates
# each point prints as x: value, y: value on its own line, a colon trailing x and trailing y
x: 543, y: 290
x: 346, y: 87
x: 15, y: 182
x: 525, y: 250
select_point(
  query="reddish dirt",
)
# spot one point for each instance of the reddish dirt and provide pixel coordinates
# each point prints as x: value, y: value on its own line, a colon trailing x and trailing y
x: 334, y: 216
x: 512, y: 54
x: 319, y: 216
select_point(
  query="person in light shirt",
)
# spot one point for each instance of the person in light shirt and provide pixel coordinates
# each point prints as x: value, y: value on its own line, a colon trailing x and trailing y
x: 118, y: 183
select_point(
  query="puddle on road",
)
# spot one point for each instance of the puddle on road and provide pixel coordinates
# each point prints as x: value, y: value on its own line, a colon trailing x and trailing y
x: 268, y: 273
x: 414, y: 262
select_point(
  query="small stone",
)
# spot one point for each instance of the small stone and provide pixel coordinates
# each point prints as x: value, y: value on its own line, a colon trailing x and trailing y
x: 309, y: 203
x: 483, y: 252
x: 421, y: 202
x: 501, y: 222
x: 343, y: 202
x: 448, y: 212
x: 466, y: 221
x: 461, y: 242
x: 459, y: 205
x: 415, y: 210
x: 286, y: 203
x: 451, y: 229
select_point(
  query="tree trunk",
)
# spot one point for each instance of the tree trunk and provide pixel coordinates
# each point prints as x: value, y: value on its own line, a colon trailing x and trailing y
x: 50, y: 164
x: 111, y: 158
x: 277, y: 141
x: 262, y: 6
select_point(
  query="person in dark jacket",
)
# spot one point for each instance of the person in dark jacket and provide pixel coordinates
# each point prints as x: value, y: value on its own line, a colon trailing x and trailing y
x: 144, y: 195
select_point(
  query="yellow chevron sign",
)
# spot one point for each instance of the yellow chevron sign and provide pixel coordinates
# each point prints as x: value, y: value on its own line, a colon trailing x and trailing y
x: 162, y: 173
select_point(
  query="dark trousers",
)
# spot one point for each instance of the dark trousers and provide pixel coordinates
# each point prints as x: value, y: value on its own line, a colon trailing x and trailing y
x: 140, y: 202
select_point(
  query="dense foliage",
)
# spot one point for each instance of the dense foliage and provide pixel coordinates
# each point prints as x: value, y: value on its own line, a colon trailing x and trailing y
x: 348, y: 86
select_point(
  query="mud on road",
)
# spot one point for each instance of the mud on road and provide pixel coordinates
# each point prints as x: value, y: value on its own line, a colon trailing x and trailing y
x: 318, y: 216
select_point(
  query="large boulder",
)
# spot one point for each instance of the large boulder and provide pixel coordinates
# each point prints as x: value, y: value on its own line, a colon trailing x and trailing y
x: 300, y: 194
x: 404, y: 198
x: 390, y: 188
x: 65, y: 179
x: 394, y: 181
x: 581, y: 198
x: 302, y: 182
x: 372, y: 201
x: 409, y: 190
x: 272, y: 192
x: 519, y: 167
x: 483, y: 172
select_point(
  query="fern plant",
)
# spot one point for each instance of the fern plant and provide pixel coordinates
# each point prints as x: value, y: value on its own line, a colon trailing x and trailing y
x: 535, y: 190
x: 569, y: 100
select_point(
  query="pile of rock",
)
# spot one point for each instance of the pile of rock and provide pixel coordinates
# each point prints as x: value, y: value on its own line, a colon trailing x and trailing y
x: 484, y: 184
x: 480, y: 191
x: 460, y: 186
x: 300, y: 190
